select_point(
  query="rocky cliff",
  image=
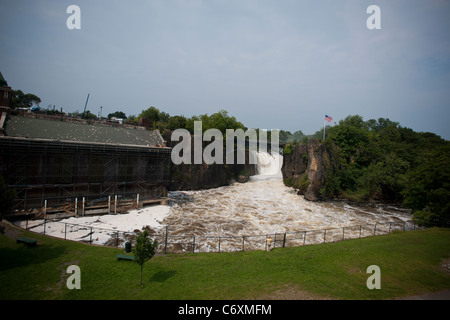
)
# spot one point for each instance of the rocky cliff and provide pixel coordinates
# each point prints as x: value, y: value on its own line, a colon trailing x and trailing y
x: 305, y: 168
x: 204, y: 176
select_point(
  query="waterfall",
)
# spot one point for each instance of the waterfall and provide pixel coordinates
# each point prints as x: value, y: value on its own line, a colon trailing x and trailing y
x: 269, y: 165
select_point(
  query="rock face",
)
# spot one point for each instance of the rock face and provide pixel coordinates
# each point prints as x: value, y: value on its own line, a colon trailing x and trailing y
x: 204, y: 176
x: 317, y: 171
x: 295, y: 163
x: 305, y: 168
x: 242, y: 178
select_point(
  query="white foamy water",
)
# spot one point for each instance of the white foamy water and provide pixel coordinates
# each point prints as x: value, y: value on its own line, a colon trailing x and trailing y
x: 104, y: 229
x: 269, y: 166
x: 262, y: 206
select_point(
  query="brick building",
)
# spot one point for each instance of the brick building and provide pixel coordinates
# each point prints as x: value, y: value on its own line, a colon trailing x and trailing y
x: 6, y: 94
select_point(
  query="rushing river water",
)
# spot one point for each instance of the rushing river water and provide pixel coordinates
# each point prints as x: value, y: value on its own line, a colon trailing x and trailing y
x: 264, y: 205
x: 236, y: 216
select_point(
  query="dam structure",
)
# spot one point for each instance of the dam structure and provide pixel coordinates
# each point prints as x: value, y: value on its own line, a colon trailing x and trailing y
x: 53, y: 160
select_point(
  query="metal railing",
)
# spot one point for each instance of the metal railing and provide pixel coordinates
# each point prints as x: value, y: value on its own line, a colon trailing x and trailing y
x: 174, y: 243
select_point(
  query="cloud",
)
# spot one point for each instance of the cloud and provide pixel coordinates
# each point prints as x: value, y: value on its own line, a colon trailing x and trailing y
x: 277, y: 64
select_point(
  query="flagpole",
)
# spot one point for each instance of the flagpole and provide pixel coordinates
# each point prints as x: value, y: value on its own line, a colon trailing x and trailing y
x: 323, y: 130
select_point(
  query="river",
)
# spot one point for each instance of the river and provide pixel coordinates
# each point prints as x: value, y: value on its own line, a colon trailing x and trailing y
x: 264, y: 205
x: 235, y: 217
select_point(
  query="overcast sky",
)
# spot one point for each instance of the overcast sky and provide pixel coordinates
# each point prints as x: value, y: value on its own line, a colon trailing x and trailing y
x: 272, y: 64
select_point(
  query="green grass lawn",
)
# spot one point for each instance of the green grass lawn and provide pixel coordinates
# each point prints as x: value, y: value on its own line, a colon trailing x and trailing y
x: 410, y: 264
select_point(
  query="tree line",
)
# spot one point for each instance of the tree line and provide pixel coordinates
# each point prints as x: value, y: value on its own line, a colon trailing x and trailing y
x: 381, y: 160
x: 220, y: 120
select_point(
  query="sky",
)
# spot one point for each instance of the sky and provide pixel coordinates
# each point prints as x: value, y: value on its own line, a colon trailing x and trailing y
x: 272, y: 64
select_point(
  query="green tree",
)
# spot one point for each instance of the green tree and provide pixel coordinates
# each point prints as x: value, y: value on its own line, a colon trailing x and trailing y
x: 158, y: 119
x: 117, y: 114
x: 132, y: 119
x: 285, y: 136
x: 151, y: 113
x: 144, y: 249
x: 427, y: 190
x: 379, y: 159
x: 373, y: 158
x: 298, y: 136
x: 22, y: 100
x: 384, y: 179
x: 164, y: 117
x: 177, y: 122
x: 88, y: 115
x: 220, y: 120
x: 351, y: 135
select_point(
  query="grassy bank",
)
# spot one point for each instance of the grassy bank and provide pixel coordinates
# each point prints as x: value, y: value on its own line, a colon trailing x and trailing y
x: 410, y: 264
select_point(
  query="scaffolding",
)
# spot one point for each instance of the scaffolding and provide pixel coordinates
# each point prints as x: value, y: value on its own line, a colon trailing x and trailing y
x: 40, y: 170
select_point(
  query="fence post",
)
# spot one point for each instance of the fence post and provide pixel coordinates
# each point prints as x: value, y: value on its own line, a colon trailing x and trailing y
x: 304, y: 237
x: 82, y: 210
x: 324, y: 235
x: 45, y: 208
x: 193, y: 245
x: 90, y: 237
x: 275, y: 241
x: 65, y: 230
x: 137, y: 201
x: 219, y: 244
x: 375, y: 229
x: 360, y: 227
x: 390, y: 227
x: 284, y: 240
x: 165, y: 240
x: 115, y: 204
x: 44, y: 225
x: 76, y: 206
x: 117, y: 239
x: 243, y: 243
x: 343, y: 233
x: 109, y: 204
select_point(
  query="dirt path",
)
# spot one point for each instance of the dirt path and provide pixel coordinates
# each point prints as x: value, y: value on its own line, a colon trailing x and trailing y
x: 442, y: 295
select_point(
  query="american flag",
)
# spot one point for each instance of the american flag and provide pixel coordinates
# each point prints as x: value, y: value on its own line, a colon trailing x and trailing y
x: 328, y: 118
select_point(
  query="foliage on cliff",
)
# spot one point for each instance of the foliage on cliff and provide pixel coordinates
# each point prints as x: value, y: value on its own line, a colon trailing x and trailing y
x: 381, y: 160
